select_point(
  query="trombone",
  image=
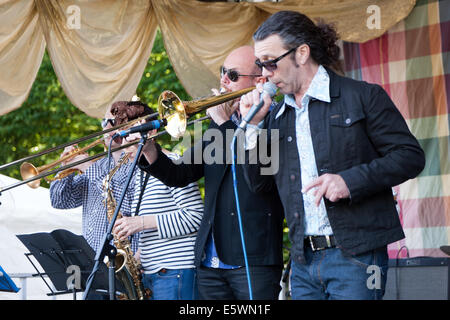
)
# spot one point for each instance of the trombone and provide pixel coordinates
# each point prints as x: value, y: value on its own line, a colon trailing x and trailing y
x: 170, y: 107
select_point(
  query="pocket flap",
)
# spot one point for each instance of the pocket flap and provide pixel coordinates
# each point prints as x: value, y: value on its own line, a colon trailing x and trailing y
x: 346, y: 119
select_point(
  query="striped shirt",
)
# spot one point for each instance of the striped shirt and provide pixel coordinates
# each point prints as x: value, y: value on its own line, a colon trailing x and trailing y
x: 178, y: 215
x: 87, y: 190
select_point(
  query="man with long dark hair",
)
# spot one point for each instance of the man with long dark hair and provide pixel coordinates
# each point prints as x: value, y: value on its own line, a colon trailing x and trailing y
x: 343, y: 145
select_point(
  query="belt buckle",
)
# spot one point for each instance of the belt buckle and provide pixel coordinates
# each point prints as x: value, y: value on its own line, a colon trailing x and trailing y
x: 328, y: 239
x: 311, y: 242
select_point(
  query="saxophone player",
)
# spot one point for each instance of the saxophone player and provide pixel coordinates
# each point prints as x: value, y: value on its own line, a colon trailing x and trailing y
x: 167, y: 220
x: 86, y: 190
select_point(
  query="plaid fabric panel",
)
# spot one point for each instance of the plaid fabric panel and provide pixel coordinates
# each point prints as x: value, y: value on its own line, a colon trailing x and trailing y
x: 412, y: 63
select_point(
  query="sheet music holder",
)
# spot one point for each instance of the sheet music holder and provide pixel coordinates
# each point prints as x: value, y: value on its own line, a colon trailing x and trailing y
x: 58, y: 252
x: 6, y: 283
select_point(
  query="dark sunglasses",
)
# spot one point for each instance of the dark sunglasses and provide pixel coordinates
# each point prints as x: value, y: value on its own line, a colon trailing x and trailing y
x: 271, y: 65
x: 233, y: 75
x: 105, y: 122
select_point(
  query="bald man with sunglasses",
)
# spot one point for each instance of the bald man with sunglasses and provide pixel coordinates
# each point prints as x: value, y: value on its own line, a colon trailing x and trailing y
x: 219, y: 255
x: 237, y: 72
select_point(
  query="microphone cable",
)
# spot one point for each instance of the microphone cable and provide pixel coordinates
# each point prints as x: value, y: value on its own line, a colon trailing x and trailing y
x: 233, y: 168
x: 270, y: 89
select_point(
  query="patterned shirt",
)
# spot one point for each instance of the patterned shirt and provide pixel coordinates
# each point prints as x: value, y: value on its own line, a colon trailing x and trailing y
x: 316, y: 219
x: 86, y: 190
x: 178, y: 212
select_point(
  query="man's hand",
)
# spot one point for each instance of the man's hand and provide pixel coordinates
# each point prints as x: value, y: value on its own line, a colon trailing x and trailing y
x: 222, y: 112
x: 135, y: 137
x: 149, y: 151
x: 330, y: 186
x: 251, y: 98
x: 81, y: 156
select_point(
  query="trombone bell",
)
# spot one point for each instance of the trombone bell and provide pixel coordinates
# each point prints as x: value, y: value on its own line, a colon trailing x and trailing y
x: 171, y: 108
x: 27, y: 170
x: 176, y: 112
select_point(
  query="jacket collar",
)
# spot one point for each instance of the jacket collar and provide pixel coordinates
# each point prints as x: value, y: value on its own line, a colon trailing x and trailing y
x: 335, y: 83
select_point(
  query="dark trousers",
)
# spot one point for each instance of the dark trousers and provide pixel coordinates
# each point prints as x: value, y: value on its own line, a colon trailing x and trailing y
x: 232, y: 284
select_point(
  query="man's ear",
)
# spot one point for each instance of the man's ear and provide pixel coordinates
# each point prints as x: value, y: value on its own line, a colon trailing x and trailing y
x: 302, y: 54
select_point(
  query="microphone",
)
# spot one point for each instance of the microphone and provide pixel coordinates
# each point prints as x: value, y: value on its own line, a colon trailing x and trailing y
x: 268, y: 89
x: 154, y: 124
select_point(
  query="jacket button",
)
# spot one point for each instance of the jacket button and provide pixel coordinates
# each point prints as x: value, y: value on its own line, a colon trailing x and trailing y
x: 232, y: 213
x: 348, y: 120
x: 296, y: 214
x: 289, y: 139
x: 292, y: 177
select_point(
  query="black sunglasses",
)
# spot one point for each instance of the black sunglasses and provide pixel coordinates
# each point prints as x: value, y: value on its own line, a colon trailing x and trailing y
x: 233, y: 75
x: 271, y: 65
x: 105, y: 122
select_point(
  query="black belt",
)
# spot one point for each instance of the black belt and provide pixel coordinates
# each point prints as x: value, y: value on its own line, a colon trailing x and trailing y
x: 317, y: 243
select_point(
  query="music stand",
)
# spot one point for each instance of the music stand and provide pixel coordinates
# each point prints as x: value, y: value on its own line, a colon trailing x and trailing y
x: 445, y: 249
x: 60, y: 253
x: 6, y: 283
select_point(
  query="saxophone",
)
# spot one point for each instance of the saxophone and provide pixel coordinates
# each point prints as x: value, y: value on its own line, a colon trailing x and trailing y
x: 127, y: 267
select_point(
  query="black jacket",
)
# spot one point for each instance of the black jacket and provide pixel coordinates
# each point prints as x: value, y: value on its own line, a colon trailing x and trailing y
x: 262, y: 213
x: 361, y: 136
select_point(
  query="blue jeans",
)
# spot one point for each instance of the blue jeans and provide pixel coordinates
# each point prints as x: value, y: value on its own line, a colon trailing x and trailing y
x: 168, y: 284
x: 330, y: 274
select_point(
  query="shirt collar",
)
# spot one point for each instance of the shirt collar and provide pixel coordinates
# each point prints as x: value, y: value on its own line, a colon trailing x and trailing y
x: 318, y: 89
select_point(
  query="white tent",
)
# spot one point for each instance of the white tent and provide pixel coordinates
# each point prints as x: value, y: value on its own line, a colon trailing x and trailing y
x: 24, y: 211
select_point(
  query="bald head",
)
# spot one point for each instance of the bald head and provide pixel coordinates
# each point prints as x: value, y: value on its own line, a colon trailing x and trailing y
x: 242, y: 61
x: 245, y: 57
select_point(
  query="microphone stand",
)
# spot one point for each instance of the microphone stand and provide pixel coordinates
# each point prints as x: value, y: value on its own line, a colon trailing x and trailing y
x: 107, y: 249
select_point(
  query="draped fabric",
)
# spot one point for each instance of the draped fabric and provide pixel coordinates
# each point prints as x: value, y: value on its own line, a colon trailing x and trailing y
x: 99, y: 48
x: 412, y: 63
x: 22, y: 47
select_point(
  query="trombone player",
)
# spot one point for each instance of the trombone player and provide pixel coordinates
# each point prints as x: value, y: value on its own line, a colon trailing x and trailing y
x: 219, y: 259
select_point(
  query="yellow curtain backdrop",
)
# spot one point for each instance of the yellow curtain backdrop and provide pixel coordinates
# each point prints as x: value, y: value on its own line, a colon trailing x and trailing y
x: 22, y: 46
x: 103, y: 59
